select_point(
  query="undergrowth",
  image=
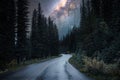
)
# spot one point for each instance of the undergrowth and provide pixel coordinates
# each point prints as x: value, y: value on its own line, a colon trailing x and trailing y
x: 96, y: 68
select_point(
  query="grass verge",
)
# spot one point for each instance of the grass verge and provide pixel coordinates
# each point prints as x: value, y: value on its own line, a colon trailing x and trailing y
x: 95, y: 68
x: 13, y: 66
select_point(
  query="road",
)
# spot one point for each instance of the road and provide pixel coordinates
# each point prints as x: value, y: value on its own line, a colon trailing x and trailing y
x: 55, y: 69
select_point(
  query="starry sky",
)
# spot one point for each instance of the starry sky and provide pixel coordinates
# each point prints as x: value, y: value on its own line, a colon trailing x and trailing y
x: 65, y: 13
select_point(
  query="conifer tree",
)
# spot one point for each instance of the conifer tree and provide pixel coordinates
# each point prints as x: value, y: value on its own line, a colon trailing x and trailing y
x: 7, y: 31
x: 22, y: 25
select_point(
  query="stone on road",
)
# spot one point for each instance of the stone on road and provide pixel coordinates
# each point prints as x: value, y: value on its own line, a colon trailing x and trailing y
x: 55, y: 69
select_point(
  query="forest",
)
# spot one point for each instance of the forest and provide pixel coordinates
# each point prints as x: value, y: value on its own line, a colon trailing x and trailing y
x: 17, y: 42
x: 96, y: 42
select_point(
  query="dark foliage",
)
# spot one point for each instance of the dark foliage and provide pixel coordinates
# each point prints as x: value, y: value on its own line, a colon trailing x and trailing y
x: 44, y: 36
x: 22, y: 25
x: 15, y: 45
x: 7, y: 31
x: 98, y: 34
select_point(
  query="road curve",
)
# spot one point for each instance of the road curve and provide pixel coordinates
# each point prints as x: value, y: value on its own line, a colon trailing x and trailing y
x: 55, y: 69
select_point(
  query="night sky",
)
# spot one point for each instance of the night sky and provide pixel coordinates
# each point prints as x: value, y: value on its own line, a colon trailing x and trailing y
x: 65, y: 13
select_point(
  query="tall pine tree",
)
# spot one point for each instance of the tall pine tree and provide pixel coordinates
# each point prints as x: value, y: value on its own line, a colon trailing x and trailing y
x: 22, y: 25
x: 7, y: 31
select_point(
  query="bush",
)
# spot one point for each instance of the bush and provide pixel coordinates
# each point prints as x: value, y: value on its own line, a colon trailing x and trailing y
x: 93, y: 65
x: 96, y: 66
x: 112, y: 69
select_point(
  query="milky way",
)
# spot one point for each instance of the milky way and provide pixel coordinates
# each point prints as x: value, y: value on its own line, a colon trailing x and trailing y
x: 63, y: 8
x: 65, y: 13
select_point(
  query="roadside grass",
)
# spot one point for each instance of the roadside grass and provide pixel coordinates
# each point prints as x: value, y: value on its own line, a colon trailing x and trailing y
x: 13, y: 66
x: 96, y: 69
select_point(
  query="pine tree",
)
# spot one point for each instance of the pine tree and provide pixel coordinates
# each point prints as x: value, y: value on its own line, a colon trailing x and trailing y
x: 34, y: 33
x: 44, y: 35
x: 53, y: 38
x: 7, y: 31
x: 11, y: 12
x: 22, y: 25
x: 40, y: 31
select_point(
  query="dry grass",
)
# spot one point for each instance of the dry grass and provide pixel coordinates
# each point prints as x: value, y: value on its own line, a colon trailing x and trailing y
x: 96, y: 68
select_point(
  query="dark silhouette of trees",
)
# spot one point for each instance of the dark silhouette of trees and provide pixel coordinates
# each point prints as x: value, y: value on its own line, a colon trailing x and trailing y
x: 22, y: 25
x: 69, y: 42
x: 98, y: 33
x: 15, y: 45
x: 53, y: 38
x: 34, y: 34
x: 44, y: 35
x: 7, y: 31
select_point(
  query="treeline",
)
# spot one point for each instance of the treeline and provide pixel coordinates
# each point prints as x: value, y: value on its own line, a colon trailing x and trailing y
x: 13, y: 25
x: 69, y: 42
x: 15, y: 43
x: 99, y: 30
x: 44, y: 35
x: 97, y: 39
